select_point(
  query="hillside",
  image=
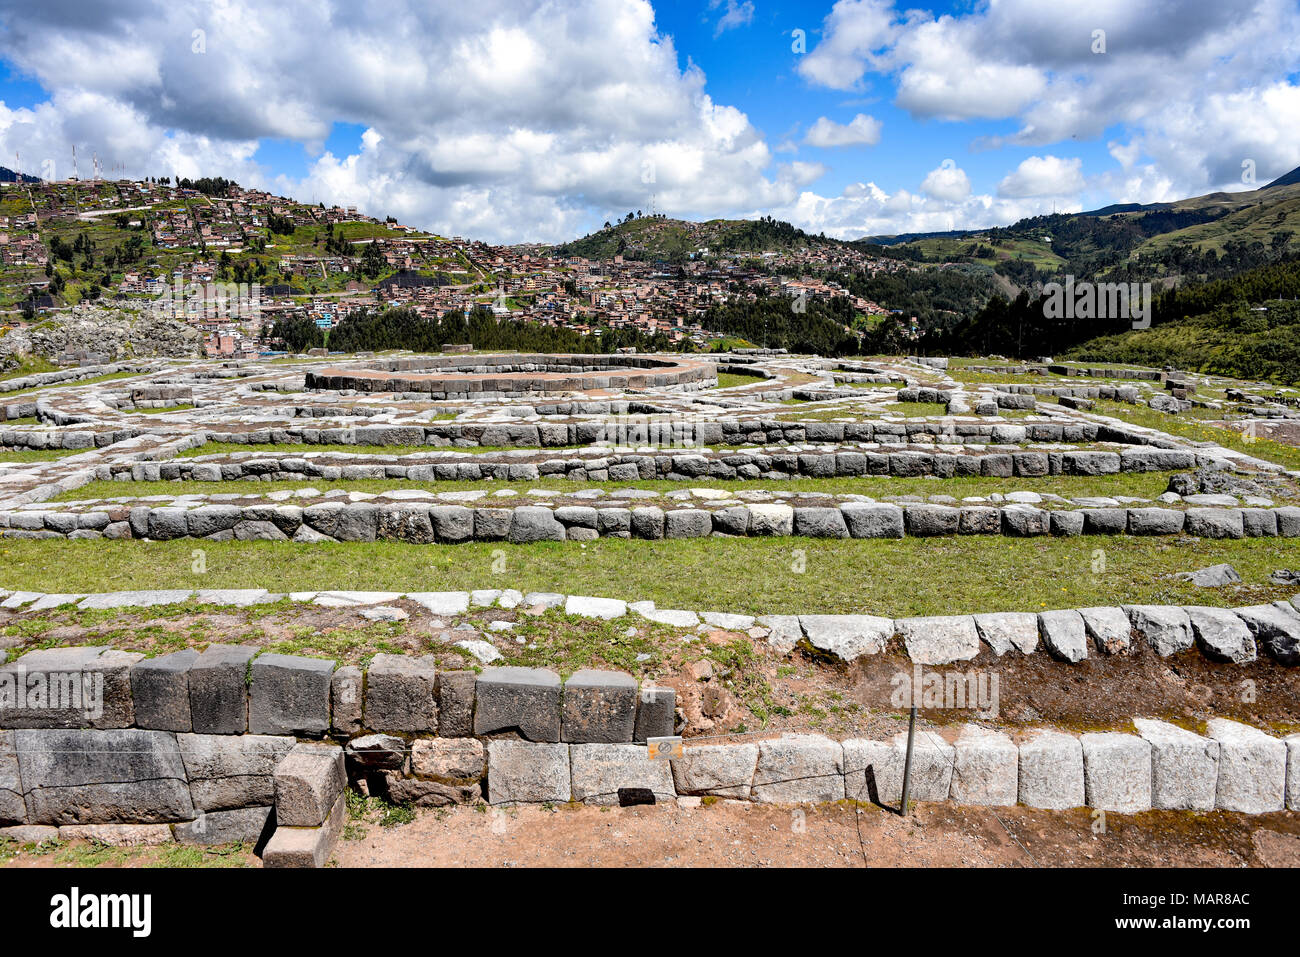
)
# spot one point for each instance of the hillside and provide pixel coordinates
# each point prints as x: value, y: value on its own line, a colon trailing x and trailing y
x: 656, y: 238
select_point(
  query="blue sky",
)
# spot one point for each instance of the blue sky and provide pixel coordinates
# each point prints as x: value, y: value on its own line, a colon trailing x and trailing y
x: 513, y: 120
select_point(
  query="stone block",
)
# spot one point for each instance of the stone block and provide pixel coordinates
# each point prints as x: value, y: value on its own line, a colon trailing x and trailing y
x: 800, y: 767
x: 717, y: 770
x: 655, y: 712
x: 400, y: 694
x: 1109, y: 628
x: 1064, y: 634
x: 218, y: 682
x: 456, y: 703
x: 232, y: 771
x: 873, y: 770
x: 524, y: 772
x: 306, y: 846
x: 160, y: 691
x: 523, y: 701
x: 1220, y: 634
x: 847, y: 637
x: 290, y: 695
x: 249, y: 825
x: 1051, y: 771
x: 308, y: 782
x: 600, y: 771
x: 599, y: 707
x: 1275, y: 631
x: 1008, y: 630
x: 1184, y: 766
x: 985, y: 768
x: 873, y: 520
x: 1117, y: 772
x: 939, y: 640
x: 449, y: 760
x: 1252, y: 768
x: 1166, y: 628
x: 123, y: 776
x: 345, y: 700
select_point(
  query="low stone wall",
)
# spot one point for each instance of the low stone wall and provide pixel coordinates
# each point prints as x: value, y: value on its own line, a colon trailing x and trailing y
x: 457, y: 377
x: 671, y: 431
x: 33, y: 437
x: 425, y: 524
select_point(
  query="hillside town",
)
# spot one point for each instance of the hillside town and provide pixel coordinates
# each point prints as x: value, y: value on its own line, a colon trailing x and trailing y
x: 232, y: 261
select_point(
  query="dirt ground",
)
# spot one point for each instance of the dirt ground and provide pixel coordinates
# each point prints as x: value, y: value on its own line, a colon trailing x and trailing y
x: 739, y: 834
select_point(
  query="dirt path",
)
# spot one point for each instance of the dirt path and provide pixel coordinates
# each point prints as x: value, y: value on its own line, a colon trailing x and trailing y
x: 737, y: 834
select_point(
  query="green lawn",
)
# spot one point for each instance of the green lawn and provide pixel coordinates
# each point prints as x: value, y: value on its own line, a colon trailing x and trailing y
x: 1137, y: 484
x: 161, y: 411
x: 37, y: 455
x: 298, y: 448
x: 728, y: 379
x: 912, y: 576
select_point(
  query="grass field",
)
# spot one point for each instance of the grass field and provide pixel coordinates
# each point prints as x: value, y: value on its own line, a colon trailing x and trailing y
x: 1187, y: 426
x: 912, y: 576
x: 37, y: 455
x: 1138, y: 484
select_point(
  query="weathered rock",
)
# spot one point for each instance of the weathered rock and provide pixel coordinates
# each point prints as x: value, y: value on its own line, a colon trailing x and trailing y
x: 345, y: 700
x: 1214, y: 576
x: 847, y: 637
x: 599, y: 707
x: 1117, y: 772
x: 1184, y: 766
x: 873, y: 520
x: 1166, y: 628
x: 985, y: 768
x: 232, y: 771
x: 160, y: 691
x: 873, y: 770
x: 523, y: 701
x: 1051, y: 771
x: 308, y: 782
x: 1064, y: 634
x: 290, y: 695
x: 532, y: 523
x: 218, y: 682
x: 376, y: 752
x: 12, y: 809
x: 123, y: 776
x: 449, y: 760
x: 528, y: 772
x: 768, y: 520
x: 1004, y: 631
x: 456, y: 703
x: 1220, y: 634
x: 939, y: 640
x: 801, y: 767
x: 601, y: 771
x: 1109, y: 628
x: 306, y: 846
x: 719, y: 770
x: 400, y: 694
x: 655, y: 708
x: 1252, y: 768
x: 249, y: 825
x: 1274, y: 630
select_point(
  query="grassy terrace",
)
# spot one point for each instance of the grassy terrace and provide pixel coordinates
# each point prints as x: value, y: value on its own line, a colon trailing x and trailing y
x: 1137, y: 484
x: 37, y: 455
x: 68, y: 385
x: 895, y: 578
x: 1186, y: 425
x: 728, y: 379
x: 230, y: 448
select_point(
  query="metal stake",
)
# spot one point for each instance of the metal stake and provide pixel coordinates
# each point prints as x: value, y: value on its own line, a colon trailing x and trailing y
x: 907, y: 762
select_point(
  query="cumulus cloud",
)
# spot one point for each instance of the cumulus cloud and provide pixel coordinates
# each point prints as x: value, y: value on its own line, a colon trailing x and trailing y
x: 736, y: 15
x: 862, y: 130
x: 948, y: 182
x: 1043, y: 176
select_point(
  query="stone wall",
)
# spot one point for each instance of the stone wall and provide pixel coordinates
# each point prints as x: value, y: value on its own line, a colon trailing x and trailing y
x: 426, y: 524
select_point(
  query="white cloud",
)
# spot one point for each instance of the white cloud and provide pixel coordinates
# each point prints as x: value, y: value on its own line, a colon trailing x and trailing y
x: 736, y: 15
x: 948, y: 182
x: 1043, y: 176
x: 862, y: 130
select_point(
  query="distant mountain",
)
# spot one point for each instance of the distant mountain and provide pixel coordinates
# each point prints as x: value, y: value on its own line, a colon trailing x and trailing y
x: 1289, y: 179
x: 9, y: 176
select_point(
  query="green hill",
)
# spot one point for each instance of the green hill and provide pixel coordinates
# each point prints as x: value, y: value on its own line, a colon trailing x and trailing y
x: 657, y: 238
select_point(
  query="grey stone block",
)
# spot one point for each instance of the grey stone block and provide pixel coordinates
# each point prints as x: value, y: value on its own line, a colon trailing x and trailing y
x: 1292, y: 743
x: 599, y: 707
x: 648, y: 522
x: 122, y: 776
x: 687, y: 523
x: 290, y: 695
x: 717, y: 770
x: 528, y: 772
x: 232, y: 771
x: 1166, y: 628
x: 1051, y: 771
x: 820, y: 523
x: 12, y: 809
x: 928, y: 520
x: 376, y: 752
x: 1220, y: 634
x: 306, y: 846
x: 218, y: 682
x: 1214, y: 523
x: 308, y: 782
x: 873, y: 770
x: 600, y: 771
x: 771, y: 520
x: 456, y: 761
x: 1274, y: 630
x: 1117, y: 772
x: 873, y: 520
x: 1252, y: 768
x: 1064, y: 634
x: 985, y: 768
x: 456, y: 703
x: 1154, y: 521
x: 532, y: 523
x: 801, y: 767
x: 1008, y: 630
x: 401, y: 694
x: 1109, y: 628
x: 847, y: 637
x: 939, y: 640
x: 655, y: 707
x: 249, y: 825
x: 345, y: 700
x: 524, y: 701
x: 160, y: 691
x: 1184, y: 766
